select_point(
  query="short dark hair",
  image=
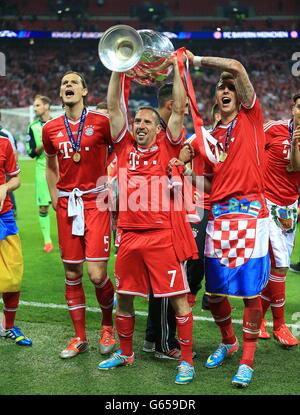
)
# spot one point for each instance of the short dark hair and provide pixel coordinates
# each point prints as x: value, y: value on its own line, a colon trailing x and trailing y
x: 295, y: 97
x: 157, y: 116
x: 165, y: 93
x: 83, y: 81
x: 44, y: 99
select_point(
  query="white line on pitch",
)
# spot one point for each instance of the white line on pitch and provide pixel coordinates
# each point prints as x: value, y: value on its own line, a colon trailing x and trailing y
x: 138, y: 313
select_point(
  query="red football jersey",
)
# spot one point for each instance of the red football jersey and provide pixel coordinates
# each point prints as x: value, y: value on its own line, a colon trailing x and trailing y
x: 143, y: 182
x: 93, y: 151
x: 112, y: 168
x: 281, y: 187
x: 8, y: 167
x: 242, y: 171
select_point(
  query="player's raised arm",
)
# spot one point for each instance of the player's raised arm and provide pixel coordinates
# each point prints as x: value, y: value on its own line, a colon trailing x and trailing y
x: 117, y: 117
x: 244, y: 88
x: 175, y: 123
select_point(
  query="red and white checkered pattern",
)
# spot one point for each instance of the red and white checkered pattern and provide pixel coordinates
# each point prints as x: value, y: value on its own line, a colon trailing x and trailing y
x: 234, y: 240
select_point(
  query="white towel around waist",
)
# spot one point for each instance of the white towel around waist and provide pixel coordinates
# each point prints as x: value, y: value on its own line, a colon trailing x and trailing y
x: 76, y: 208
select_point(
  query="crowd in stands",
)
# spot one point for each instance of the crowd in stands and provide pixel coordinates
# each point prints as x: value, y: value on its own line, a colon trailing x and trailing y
x: 36, y: 69
x: 174, y: 15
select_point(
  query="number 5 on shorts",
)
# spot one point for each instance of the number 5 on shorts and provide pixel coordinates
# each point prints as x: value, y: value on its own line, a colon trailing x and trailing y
x: 106, y: 243
x: 173, y: 275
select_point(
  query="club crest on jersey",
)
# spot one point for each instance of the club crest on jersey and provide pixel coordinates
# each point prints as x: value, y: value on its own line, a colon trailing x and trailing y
x: 234, y: 240
x: 89, y: 130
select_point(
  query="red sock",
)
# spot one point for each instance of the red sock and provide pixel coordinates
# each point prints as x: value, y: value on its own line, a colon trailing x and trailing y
x: 265, y: 298
x: 185, y: 336
x: 125, y: 329
x: 221, y: 311
x: 76, y: 304
x: 277, y: 290
x: 105, y: 296
x: 251, y: 325
x: 10, y: 306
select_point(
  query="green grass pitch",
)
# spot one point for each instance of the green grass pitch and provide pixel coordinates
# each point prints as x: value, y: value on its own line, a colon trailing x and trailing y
x: 43, y: 317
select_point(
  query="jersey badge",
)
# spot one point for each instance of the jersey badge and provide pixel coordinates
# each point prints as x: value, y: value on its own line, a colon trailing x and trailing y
x: 89, y: 130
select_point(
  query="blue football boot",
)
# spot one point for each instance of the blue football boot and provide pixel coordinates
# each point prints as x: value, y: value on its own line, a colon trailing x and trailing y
x: 16, y: 334
x: 243, y: 376
x: 186, y: 373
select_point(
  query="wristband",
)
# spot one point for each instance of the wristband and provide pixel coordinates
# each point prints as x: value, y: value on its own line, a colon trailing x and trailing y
x: 199, y: 60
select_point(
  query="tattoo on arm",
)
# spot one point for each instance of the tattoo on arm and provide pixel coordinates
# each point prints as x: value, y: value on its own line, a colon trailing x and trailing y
x: 244, y: 88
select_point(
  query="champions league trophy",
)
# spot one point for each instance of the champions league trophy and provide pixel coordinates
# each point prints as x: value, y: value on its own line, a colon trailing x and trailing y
x: 141, y: 54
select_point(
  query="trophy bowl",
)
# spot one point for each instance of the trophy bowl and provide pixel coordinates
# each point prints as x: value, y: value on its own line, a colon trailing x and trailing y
x: 142, y: 54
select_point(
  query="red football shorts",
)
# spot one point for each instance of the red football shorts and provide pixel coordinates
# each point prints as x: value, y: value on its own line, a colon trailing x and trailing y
x: 148, y: 258
x: 93, y: 246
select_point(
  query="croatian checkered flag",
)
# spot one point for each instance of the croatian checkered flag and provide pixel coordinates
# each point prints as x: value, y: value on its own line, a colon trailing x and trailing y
x: 234, y: 240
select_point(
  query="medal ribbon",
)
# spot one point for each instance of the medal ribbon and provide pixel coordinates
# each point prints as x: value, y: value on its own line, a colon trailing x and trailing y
x: 75, y: 145
x: 197, y: 120
x: 228, y: 133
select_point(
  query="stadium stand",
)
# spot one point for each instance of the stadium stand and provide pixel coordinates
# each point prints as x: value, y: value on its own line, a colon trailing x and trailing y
x: 173, y: 15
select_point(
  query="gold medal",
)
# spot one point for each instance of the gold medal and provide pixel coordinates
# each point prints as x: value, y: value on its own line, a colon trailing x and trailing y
x: 289, y: 168
x: 223, y: 156
x: 76, y: 157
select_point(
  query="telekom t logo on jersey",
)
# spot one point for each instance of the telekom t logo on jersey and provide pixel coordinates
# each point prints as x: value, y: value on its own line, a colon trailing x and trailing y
x: 286, y: 150
x: 65, y: 148
x: 133, y: 160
